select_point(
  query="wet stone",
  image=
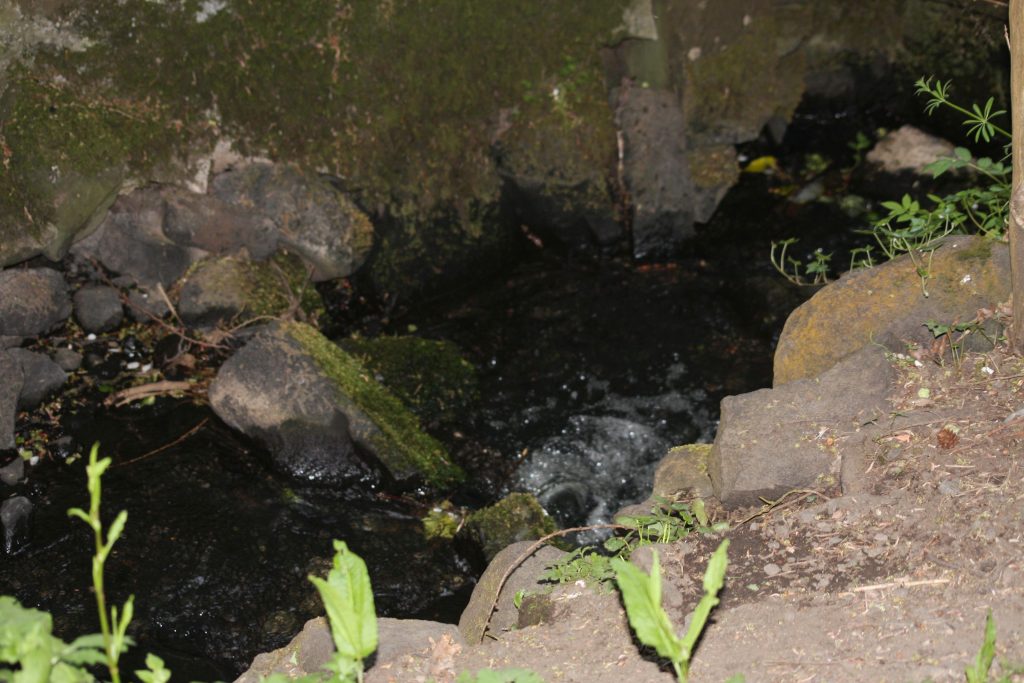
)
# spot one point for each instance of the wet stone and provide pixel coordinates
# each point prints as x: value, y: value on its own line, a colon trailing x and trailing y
x: 98, y: 308
x: 16, y: 521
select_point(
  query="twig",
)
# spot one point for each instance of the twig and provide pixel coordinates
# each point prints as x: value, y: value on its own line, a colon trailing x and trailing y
x: 166, y: 446
x: 770, y: 505
x: 126, y: 396
x: 530, y: 551
x: 899, y: 583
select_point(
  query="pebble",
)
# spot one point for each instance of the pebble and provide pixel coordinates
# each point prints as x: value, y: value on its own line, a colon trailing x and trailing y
x: 772, y: 569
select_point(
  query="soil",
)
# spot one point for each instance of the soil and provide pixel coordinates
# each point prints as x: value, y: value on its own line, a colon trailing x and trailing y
x: 891, y: 581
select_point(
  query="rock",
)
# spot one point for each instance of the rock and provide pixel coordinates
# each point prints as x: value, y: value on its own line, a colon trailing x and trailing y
x: 98, y: 308
x: 16, y: 522
x: 683, y: 473
x: 206, y: 222
x: 516, y: 517
x: 313, y: 219
x: 67, y: 359
x: 656, y: 170
x: 476, y: 619
x: 967, y: 273
x: 312, y: 648
x: 290, y: 378
x: 230, y: 289
x: 32, y: 301
x: 13, y: 472
x: 11, y: 380
x: 41, y: 375
x: 130, y: 241
x: 908, y: 149
x: 772, y: 441
x: 7, y: 342
x: 145, y: 304
x: 401, y: 637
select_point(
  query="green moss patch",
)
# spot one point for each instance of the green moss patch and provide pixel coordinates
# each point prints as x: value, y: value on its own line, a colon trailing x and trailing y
x: 401, y: 444
x: 430, y: 377
x: 516, y: 517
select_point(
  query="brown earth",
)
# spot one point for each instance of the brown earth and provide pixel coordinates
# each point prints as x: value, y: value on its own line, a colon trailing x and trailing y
x: 890, y: 581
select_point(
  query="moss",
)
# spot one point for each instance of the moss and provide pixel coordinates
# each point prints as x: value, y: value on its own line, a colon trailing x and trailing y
x: 976, y: 250
x: 401, y: 444
x: 399, y: 98
x: 53, y: 139
x: 430, y: 377
x: 516, y: 517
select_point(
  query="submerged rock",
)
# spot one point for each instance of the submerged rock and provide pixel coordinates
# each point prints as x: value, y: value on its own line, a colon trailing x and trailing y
x: 32, y: 301
x: 964, y: 274
x: 16, y: 523
x: 290, y: 378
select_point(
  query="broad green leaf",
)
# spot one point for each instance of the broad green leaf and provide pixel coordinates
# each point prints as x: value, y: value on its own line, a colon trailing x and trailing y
x: 714, y: 578
x: 500, y: 676
x: 699, y: 511
x: 962, y: 153
x: 978, y: 672
x: 348, y: 599
x: 641, y: 594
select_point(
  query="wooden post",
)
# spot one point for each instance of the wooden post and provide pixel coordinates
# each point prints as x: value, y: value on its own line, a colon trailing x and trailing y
x: 1016, y: 226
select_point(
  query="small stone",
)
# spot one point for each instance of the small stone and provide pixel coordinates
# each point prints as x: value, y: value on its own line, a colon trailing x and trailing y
x: 772, y: 569
x: 32, y: 301
x: 949, y: 487
x: 145, y: 305
x: 67, y: 359
x: 98, y: 308
x: 12, y: 472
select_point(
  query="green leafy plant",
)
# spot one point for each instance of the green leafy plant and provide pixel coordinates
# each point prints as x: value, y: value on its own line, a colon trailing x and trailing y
x: 348, y: 598
x: 641, y: 595
x: 668, y: 521
x: 912, y: 227
x: 114, y: 627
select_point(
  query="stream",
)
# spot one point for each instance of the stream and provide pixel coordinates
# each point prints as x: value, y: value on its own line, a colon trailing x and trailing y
x: 591, y: 367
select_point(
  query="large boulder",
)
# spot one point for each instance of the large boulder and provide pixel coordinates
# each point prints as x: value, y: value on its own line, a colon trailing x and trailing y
x: 293, y: 389
x: 32, y: 301
x: 772, y: 441
x: 965, y: 273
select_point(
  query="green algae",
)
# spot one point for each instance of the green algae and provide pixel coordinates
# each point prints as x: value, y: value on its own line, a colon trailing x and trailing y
x: 401, y: 442
x: 430, y: 377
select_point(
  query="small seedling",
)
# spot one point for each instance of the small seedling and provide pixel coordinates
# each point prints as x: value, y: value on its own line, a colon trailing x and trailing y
x: 641, y: 595
x: 500, y: 676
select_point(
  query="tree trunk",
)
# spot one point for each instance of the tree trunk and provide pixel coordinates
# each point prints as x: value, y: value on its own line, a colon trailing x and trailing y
x: 1016, y: 226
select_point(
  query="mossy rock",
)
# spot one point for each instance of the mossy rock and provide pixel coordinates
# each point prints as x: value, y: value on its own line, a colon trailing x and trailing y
x: 377, y: 419
x: 237, y: 290
x: 683, y: 473
x: 516, y: 517
x: 430, y: 377
x: 885, y: 302
x: 65, y: 159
